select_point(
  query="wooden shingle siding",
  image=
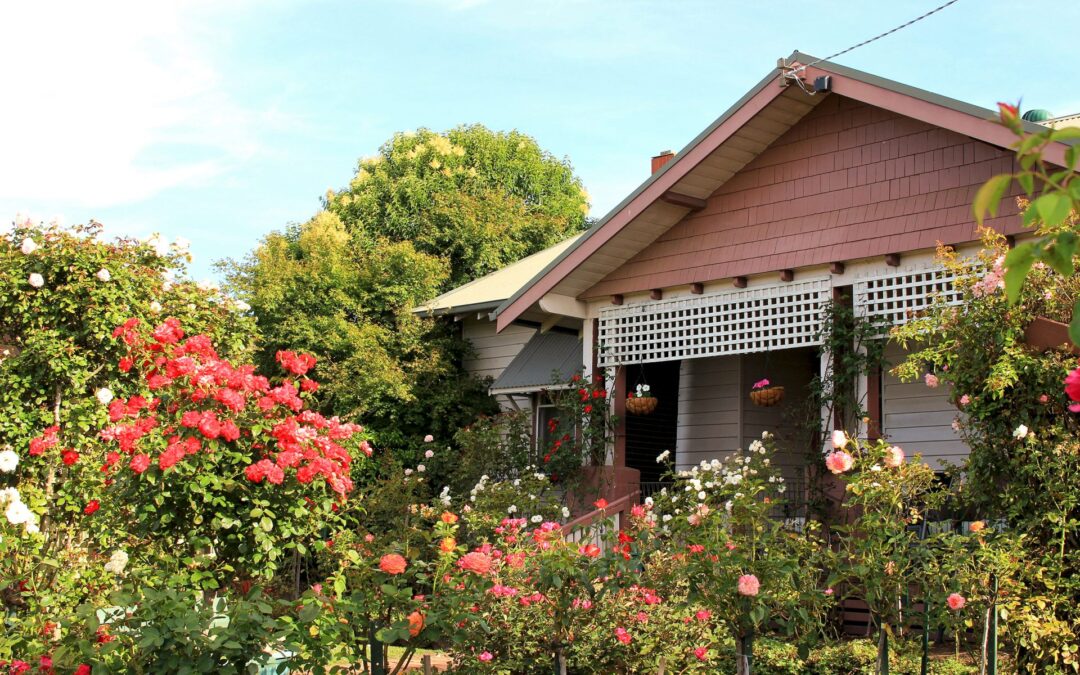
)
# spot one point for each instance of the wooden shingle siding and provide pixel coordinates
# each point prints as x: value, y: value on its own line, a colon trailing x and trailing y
x: 493, y: 351
x: 848, y: 181
x: 709, y: 405
x: 918, y: 418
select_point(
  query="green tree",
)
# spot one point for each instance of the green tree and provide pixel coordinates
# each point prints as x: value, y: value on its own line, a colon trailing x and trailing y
x: 429, y: 212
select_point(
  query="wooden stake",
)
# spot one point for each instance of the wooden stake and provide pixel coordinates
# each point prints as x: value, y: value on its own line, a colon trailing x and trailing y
x: 426, y: 661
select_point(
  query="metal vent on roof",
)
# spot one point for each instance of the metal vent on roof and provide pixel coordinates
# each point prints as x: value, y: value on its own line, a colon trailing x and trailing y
x: 780, y: 316
x: 898, y: 296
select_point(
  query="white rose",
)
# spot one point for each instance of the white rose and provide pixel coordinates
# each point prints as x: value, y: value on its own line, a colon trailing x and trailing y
x: 155, y: 307
x: 103, y: 274
x: 839, y: 438
x: 161, y: 247
x: 1021, y: 432
x: 28, y: 246
x: 36, y: 280
x: 17, y: 513
x: 408, y: 472
x: 117, y: 562
x: 537, y: 518
x: 208, y: 285
x: 565, y: 512
x: 420, y: 468
x: 8, y: 461
x: 104, y: 395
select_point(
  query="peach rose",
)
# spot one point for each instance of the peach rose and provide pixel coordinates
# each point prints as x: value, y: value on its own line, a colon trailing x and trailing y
x: 392, y: 563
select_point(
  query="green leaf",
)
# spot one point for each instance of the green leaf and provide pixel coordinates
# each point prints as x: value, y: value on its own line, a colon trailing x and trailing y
x: 1018, y: 263
x: 266, y: 524
x: 989, y: 196
x: 1065, y: 134
x: 1027, y: 181
x: 1059, y: 253
x: 1053, y: 208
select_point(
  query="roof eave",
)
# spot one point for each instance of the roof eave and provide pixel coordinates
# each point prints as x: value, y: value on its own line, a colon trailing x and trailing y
x: 864, y: 78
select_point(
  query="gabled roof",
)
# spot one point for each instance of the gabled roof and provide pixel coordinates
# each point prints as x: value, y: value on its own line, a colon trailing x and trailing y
x: 547, y: 361
x: 488, y: 291
x: 746, y: 129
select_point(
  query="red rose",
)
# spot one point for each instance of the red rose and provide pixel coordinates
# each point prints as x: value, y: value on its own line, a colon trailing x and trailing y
x: 169, y: 332
x: 392, y: 563
x: 140, y: 463
x: 69, y: 456
x: 92, y: 507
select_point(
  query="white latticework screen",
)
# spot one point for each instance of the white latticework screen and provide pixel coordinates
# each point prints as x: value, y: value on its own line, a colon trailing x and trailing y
x: 895, y: 298
x: 734, y: 322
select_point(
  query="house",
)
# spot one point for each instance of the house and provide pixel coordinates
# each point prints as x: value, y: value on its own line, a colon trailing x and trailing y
x: 821, y: 183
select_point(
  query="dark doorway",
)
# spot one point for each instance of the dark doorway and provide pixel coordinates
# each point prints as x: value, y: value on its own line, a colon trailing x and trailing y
x: 649, y: 435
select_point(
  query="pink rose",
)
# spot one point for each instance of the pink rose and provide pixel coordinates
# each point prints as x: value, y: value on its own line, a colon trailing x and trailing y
x: 1072, y: 389
x: 956, y: 601
x: 476, y: 562
x: 485, y: 656
x: 839, y: 439
x: 965, y: 400
x: 894, y: 457
x: 429, y: 438
x: 748, y: 585
x: 931, y: 380
x: 701, y: 653
x: 839, y: 462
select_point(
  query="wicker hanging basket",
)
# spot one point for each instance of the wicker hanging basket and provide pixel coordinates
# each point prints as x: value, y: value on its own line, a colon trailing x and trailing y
x: 767, y: 397
x: 641, y: 406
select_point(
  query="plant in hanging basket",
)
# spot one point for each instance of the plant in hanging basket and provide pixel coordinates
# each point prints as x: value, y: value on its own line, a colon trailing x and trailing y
x: 763, y: 393
x: 641, y: 402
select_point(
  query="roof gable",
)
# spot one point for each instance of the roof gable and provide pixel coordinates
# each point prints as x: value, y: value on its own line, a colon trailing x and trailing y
x: 848, y: 181
x: 764, y: 114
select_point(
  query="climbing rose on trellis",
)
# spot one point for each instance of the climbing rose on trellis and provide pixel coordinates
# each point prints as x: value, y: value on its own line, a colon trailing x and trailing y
x: 249, y: 471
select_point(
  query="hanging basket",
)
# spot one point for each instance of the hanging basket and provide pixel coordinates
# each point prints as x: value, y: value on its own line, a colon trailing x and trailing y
x: 641, y: 406
x: 767, y: 397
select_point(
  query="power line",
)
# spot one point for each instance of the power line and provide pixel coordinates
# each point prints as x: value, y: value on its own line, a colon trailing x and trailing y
x: 798, y: 70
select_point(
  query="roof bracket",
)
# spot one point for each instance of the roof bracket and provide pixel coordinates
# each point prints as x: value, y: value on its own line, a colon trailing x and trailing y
x: 687, y: 201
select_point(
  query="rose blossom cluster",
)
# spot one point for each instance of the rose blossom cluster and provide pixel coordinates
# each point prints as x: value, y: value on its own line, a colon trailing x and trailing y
x: 205, y: 397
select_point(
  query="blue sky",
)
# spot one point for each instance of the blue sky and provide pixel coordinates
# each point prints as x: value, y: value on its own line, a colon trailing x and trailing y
x: 221, y: 120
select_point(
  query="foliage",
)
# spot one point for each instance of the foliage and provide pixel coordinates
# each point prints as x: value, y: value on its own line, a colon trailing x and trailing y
x: 429, y: 212
x: 1015, y: 417
x: 478, y: 199
x: 744, y: 565
x: 212, y: 456
x: 1055, y: 202
x: 581, y: 429
x: 62, y: 292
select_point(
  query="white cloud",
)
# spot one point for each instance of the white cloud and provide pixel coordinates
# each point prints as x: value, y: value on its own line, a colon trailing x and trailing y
x: 93, y: 92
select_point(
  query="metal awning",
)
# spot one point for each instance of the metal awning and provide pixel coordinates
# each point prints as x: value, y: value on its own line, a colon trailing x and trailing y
x: 547, y: 361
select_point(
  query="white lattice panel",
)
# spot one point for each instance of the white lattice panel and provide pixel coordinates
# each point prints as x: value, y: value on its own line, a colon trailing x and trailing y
x: 897, y: 296
x: 781, y: 316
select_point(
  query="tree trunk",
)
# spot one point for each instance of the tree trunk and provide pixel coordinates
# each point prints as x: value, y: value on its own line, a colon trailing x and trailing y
x: 883, y: 650
x: 744, y: 654
x: 560, y: 661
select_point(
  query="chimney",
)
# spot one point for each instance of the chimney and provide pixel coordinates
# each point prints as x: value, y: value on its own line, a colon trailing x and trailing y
x: 660, y: 160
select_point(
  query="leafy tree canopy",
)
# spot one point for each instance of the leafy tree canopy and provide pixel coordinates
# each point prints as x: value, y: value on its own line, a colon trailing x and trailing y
x: 429, y: 212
